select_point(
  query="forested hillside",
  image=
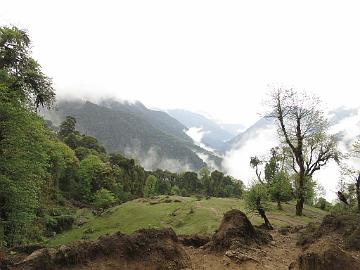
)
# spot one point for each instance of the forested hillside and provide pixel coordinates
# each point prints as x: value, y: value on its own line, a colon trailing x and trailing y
x: 152, y: 137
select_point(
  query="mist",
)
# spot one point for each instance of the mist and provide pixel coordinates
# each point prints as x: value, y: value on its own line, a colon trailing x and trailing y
x: 259, y: 139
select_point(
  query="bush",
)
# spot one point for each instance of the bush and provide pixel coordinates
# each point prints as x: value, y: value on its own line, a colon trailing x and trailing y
x: 175, y: 190
x: 59, y: 223
x: 104, y: 198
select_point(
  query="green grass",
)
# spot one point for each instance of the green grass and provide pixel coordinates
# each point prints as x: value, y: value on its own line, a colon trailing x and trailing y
x: 186, y: 217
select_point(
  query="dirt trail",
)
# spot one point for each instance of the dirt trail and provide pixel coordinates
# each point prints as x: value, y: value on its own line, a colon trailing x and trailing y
x: 277, y: 256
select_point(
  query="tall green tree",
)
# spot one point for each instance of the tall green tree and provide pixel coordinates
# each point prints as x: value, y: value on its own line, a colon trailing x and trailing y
x: 150, y: 186
x: 22, y: 74
x: 304, y: 130
x: 280, y: 188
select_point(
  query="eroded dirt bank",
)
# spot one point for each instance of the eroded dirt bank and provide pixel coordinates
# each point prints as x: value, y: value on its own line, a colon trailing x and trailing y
x: 237, y: 244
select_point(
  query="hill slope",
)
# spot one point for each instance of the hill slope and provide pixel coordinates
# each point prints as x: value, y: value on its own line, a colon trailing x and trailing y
x: 153, y: 137
x: 186, y: 215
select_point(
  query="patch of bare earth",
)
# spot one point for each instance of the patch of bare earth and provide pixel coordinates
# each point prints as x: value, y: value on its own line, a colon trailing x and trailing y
x: 277, y: 255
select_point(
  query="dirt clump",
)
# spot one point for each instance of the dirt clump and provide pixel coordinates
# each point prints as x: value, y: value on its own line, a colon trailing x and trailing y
x: 331, y: 257
x: 235, y: 231
x: 194, y: 240
x: 346, y: 226
x: 145, y: 249
x: 352, y: 241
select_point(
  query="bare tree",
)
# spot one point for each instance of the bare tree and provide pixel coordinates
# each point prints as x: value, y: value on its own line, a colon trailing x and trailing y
x: 303, y: 129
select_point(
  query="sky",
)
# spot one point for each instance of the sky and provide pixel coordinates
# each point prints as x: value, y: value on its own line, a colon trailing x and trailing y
x: 214, y: 57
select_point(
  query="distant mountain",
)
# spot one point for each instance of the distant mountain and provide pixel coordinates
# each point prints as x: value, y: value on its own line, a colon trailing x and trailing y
x: 153, y: 137
x: 251, y: 133
x: 233, y: 129
x: 344, y: 122
x: 214, y: 135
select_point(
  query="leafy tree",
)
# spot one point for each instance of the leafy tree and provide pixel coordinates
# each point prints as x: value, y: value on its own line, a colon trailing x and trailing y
x: 280, y: 188
x: 175, y: 190
x: 255, y: 162
x: 94, y: 174
x: 356, y: 152
x: 229, y: 190
x: 256, y: 200
x: 323, y: 204
x: 272, y: 167
x: 67, y: 127
x: 303, y: 128
x: 350, y: 178
x: 104, y: 198
x: 63, y: 165
x: 26, y: 82
x: 150, y: 186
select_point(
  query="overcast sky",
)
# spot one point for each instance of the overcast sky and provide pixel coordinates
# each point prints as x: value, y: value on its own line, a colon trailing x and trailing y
x: 216, y: 57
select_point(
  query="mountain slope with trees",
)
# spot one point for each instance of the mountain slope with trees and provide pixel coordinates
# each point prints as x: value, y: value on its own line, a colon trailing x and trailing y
x: 152, y: 137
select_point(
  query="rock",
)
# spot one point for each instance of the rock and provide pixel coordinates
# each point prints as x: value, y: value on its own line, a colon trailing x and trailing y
x: 284, y: 230
x: 239, y: 257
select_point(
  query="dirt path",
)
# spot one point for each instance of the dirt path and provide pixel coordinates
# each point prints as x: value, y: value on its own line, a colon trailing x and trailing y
x: 277, y: 256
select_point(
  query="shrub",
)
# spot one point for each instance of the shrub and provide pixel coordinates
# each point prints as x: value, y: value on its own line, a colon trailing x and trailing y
x: 104, y: 198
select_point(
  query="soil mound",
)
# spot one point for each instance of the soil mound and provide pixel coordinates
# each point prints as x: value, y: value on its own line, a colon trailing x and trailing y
x: 145, y: 249
x: 331, y: 257
x: 235, y: 231
x: 347, y: 226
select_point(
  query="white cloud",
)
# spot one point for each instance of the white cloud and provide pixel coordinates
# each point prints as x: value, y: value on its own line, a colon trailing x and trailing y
x: 256, y: 143
x: 261, y: 139
x: 205, y: 55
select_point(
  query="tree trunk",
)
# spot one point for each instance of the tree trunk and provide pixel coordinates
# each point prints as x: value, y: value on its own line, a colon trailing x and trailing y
x: 300, y: 206
x: 268, y: 225
x: 279, y: 205
x: 358, y: 192
x: 301, y: 195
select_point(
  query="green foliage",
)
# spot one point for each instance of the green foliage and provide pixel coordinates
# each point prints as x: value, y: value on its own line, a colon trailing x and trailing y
x: 67, y: 127
x: 23, y: 166
x: 58, y: 223
x: 175, y: 190
x: 272, y: 166
x: 257, y: 195
x: 323, y: 204
x: 92, y: 175
x: 63, y: 165
x: 104, y: 198
x: 205, y: 220
x: 309, y: 189
x: 150, y: 186
x: 23, y: 75
x: 280, y: 188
